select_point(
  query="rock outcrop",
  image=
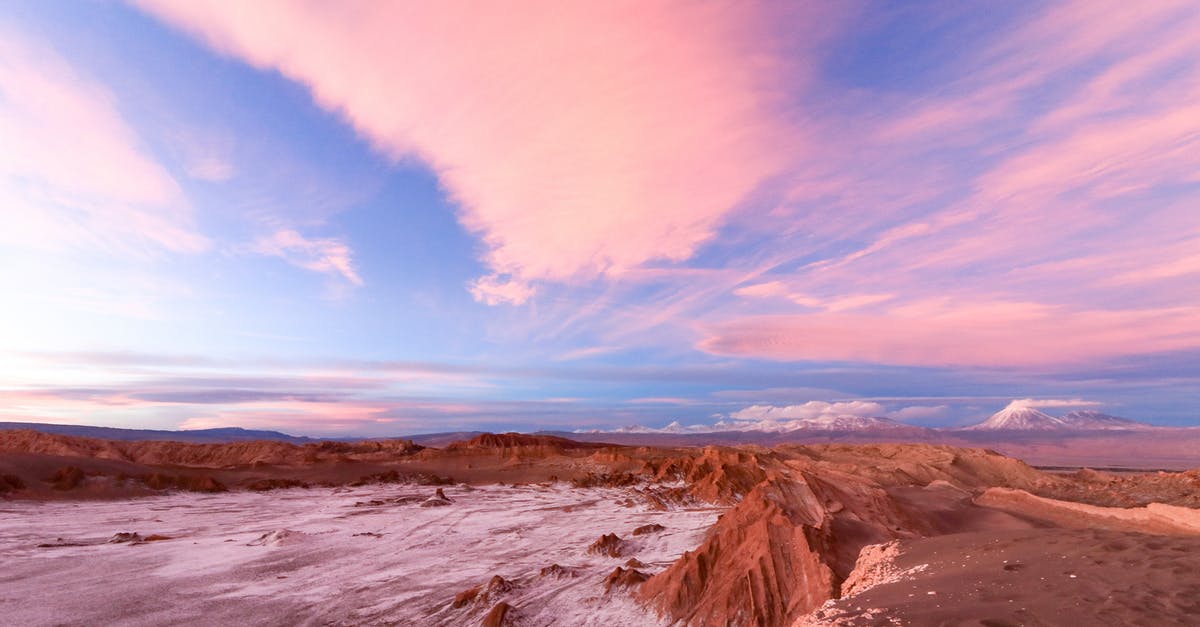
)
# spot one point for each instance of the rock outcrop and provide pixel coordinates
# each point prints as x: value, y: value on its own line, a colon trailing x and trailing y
x: 648, y: 529
x: 875, y: 566
x: 483, y: 593
x: 609, y: 544
x: 518, y: 445
x: 761, y: 564
x: 501, y: 615
x: 716, y: 475
x: 556, y: 571
x: 624, y: 578
x: 439, y: 499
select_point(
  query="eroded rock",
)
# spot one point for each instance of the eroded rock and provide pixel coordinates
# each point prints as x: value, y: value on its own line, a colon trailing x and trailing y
x: 624, y: 578
x: 647, y: 529
x: 609, y: 544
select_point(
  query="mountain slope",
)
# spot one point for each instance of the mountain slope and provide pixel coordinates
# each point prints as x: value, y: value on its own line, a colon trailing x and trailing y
x: 197, y: 436
x: 1090, y: 419
x: 1019, y: 418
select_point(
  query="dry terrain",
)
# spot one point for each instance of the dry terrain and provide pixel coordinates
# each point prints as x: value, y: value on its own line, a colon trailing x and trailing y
x: 536, y: 530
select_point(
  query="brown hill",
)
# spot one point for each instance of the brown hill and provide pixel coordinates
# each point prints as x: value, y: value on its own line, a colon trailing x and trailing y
x: 514, y: 447
x: 167, y: 453
x: 509, y: 441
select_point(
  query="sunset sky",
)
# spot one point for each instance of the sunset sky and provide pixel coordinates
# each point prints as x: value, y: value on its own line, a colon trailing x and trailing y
x: 372, y: 218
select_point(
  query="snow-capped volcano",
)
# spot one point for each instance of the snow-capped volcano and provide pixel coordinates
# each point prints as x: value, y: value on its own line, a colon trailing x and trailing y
x: 1020, y: 417
x: 1091, y: 419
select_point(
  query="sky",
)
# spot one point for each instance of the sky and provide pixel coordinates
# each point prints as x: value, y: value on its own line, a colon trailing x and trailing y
x: 389, y: 218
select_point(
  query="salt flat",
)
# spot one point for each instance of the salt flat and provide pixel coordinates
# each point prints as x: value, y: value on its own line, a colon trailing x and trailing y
x: 329, y: 556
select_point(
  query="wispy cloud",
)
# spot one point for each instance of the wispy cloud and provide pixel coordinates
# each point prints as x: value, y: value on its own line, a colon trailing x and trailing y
x: 496, y: 290
x: 73, y: 173
x: 939, y: 333
x: 326, y: 255
x: 1046, y: 403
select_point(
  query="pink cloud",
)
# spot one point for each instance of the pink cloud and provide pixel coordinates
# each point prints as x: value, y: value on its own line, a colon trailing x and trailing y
x: 389, y: 416
x: 592, y: 140
x: 73, y: 173
x: 1183, y: 265
x: 939, y: 334
x: 1047, y: 403
x: 1075, y: 224
x: 580, y: 139
x: 763, y: 290
x: 494, y: 290
x: 325, y: 255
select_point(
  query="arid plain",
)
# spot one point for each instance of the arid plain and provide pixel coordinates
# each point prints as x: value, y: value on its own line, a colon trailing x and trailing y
x: 519, y: 529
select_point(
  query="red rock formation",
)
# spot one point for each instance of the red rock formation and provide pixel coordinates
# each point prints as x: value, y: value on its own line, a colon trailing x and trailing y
x: 645, y: 529
x: 787, y: 546
x: 556, y: 571
x: 466, y: 597
x: 512, y: 447
x: 501, y: 615
x: 482, y: 593
x: 761, y: 564
x: 439, y: 499
x: 609, y: 544
x: 606, y: 480
x: 716, y: 475
x: 623, y: 578
x: 493, y: 441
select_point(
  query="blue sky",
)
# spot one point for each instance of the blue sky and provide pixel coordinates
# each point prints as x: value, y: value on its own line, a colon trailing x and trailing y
x: 399, y: 218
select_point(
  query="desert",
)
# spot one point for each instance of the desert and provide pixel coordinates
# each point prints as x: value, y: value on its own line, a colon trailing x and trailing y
x: 515, y: 529
x: 609, y: 313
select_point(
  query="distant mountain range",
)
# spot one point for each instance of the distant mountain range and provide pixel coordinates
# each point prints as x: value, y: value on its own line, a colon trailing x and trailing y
x: 819, y: 423
x: 1014, y: 419
x: 1017, y: 417
x: 197, y: 436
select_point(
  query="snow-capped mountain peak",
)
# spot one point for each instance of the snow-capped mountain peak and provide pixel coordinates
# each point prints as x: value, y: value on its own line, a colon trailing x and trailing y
x: 1020, y: 417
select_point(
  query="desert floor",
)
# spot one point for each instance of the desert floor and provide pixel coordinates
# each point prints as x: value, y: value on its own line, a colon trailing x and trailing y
x: 330, y: 556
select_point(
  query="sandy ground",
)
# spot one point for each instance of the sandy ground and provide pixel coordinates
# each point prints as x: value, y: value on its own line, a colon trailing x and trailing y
x: 1033, y: 577
x: 326, y: 560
